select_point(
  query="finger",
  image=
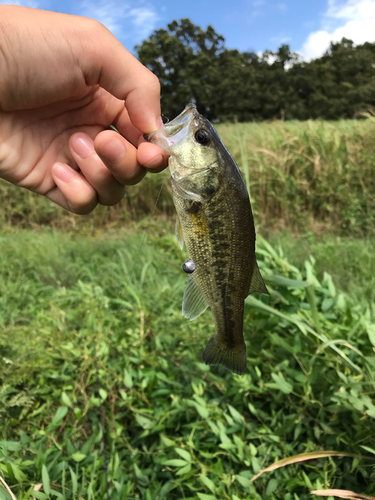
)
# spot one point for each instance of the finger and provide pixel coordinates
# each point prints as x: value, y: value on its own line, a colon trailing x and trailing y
x: 152, y: 157
x: 109, y: 190
x: 126, y: 128
x: 106, y: 62
x: 72, y: 191
x: 120, y: 157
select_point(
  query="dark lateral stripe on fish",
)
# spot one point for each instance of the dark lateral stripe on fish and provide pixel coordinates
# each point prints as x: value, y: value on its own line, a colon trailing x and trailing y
x: 224, y: 277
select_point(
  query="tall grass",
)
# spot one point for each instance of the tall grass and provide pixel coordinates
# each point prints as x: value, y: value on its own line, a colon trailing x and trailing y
x: 316, y: 176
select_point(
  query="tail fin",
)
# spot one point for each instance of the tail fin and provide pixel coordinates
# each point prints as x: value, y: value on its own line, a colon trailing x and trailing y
x: 232, y: 358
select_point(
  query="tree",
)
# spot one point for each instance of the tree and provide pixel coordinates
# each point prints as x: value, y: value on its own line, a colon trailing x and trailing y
x: 193, y: 65
x: 184, y: 59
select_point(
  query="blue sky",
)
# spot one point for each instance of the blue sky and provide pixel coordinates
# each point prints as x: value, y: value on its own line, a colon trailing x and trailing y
x: 307, y: 26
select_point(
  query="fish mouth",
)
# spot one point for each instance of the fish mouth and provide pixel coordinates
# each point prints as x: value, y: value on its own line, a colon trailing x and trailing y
x: 172, y: 132
x: 183, y: 119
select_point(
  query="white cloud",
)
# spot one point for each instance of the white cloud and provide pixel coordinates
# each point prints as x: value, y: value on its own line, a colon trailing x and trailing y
x: 131, y: 20
x: 144, y: 20
x: 108, y: 12
x: 125, y: 19
x: 269, y: 57
x: 258, y: 3
x: 260, y: 8
x: 280, y: 39
x: 353, y: 19
x: 257, y: 8
x: 22, y: 3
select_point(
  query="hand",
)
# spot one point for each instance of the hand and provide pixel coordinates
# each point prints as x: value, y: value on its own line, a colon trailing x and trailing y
x: 64, y: 80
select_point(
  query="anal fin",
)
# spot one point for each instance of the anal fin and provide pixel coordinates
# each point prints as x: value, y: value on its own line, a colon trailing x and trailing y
x: 257, y: 284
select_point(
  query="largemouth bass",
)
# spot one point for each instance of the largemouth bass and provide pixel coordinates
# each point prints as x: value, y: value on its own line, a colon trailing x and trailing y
x: 215, y: 222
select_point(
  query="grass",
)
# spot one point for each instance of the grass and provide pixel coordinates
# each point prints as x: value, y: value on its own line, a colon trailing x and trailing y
x: 350, y: 261
x: 76, y: 336
x: 316, y: 176
x: 91, y: 330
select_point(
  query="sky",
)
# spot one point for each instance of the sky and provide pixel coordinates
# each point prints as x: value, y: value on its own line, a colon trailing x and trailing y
x: 307, y: 26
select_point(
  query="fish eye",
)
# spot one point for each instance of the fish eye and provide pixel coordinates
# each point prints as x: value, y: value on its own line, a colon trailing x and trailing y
x: 202, y: 136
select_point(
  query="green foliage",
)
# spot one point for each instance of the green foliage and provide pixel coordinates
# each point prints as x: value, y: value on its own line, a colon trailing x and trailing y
x: 193, y: 65
x: 347, y: 260
x: 76, y: 336
x: 317, y: 176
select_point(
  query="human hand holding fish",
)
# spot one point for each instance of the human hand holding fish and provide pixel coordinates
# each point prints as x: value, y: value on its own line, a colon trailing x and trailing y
x: 64, y: 80
x: 215, y: 222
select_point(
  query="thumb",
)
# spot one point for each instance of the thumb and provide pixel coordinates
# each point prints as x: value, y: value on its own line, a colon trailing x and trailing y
x: 109, y: 64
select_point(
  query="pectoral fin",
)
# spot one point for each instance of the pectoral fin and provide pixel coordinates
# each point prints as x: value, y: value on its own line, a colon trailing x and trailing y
x: 257, y: 284
x: 179, y: 233
x: 193, y: 303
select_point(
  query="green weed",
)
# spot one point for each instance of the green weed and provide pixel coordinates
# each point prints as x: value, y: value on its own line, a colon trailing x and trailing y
x: 76, y: 334
x: 351, y: 262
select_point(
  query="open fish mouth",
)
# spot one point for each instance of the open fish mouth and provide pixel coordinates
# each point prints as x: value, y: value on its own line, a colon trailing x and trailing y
x: 173, y: 132
x: 184, y: 118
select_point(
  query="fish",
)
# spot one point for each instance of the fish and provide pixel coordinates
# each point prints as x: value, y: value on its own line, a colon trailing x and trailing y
x: 215, y: 222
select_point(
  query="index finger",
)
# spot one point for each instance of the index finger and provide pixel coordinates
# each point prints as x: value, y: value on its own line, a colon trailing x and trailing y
x: 109, y: 64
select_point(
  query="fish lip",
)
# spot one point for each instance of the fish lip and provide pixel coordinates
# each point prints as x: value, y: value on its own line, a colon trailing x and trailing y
x: 173, y: 127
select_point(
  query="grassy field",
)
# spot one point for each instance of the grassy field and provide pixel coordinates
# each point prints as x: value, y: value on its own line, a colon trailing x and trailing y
x: 77, y: 339
x: 310, y: 176
x: 102, y: 385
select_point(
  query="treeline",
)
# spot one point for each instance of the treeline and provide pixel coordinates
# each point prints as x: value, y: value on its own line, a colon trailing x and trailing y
x: 194, y: 65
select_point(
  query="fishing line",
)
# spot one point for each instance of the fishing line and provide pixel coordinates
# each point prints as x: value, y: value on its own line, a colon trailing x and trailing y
x: 146, y: 231
x: 105, y: 466
x: 165, y: 120
x: 112, y: 127
x: 102, y: 427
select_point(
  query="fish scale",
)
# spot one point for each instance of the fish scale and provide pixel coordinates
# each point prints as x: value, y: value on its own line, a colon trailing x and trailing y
x: 217, y: 226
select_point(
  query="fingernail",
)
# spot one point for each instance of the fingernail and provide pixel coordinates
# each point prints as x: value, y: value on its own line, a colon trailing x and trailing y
x: 159, y: 122
x: 155, y: 162
x: 64, y: 173
x: 82, y: 145
x: 114, y: 150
